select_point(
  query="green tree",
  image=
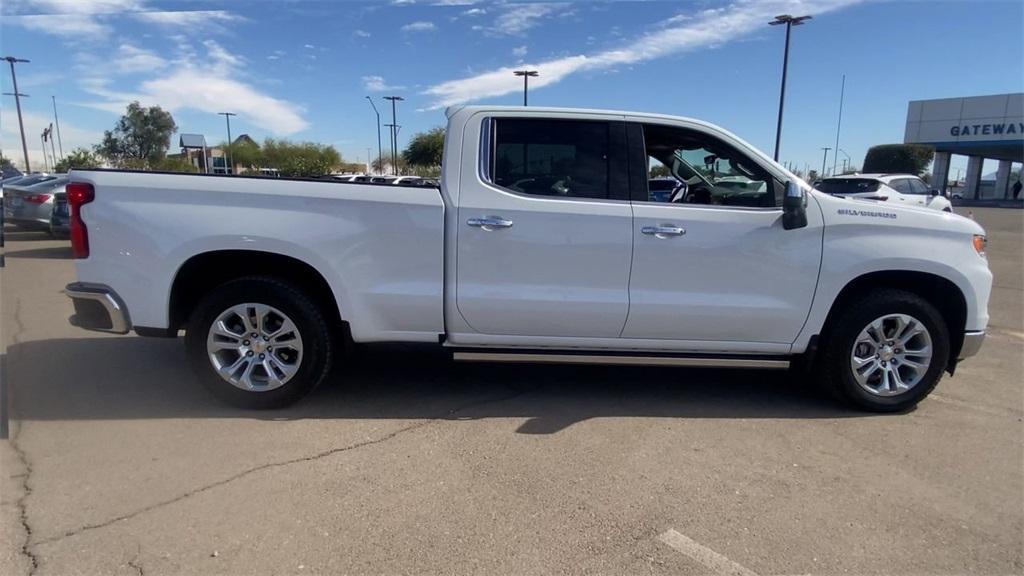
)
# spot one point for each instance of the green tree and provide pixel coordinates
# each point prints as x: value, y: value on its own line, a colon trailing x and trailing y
x: 79, y: 158
x: 172, y: 164
x: 384, y: 166
x: 7, y: 167
x: 659, y: 171
x: 244, y: 153
x: 142, y: 134
x: 898, y: 159
x: 425, y: 149
x: 299, y: 160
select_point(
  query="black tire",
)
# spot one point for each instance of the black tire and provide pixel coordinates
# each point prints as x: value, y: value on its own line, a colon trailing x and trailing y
x: 834, y: 370
x: 317, y: 342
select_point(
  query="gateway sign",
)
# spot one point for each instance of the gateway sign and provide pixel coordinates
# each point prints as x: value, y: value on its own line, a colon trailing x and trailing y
x: 987, y: 129
x: 948, y: 122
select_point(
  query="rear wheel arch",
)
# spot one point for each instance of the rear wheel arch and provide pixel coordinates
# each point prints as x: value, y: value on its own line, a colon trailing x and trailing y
x: 204, y: 272
x: 938, y: 291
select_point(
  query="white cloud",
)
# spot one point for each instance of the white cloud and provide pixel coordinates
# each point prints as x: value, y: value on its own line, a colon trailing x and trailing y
x: 706, y: 29
x: 519, y: 51
x: 131, y: 59
x: 63, y: 25
x: 422, y: 26
x: 377, y: 84
x: 188, y: 18
x: 361, y: 34
x: 71, y: 137
x: 518, y: 18
x: 207, y: 87
x: 73, y: 6
x: 475, y: 12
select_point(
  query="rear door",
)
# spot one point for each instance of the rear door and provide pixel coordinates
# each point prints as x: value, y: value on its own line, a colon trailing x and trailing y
x: 545, y: 228
x: 715, y: 268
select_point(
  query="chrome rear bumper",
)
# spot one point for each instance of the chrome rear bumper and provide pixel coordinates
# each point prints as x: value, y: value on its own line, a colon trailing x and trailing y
x: 98, y: 307
x: 972, y: 343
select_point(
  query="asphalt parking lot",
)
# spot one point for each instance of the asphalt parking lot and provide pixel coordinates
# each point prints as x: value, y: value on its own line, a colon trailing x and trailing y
x: 120, y: 463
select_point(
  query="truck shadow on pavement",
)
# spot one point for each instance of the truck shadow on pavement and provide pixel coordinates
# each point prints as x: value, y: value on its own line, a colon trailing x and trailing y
x: 49, y: 253
x: 141, y: 378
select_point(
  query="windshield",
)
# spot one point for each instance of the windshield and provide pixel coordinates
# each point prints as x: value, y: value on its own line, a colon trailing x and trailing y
x: 846, y: 186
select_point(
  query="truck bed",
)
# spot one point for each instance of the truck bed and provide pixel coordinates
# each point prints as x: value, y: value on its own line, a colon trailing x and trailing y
x: 379, y: 247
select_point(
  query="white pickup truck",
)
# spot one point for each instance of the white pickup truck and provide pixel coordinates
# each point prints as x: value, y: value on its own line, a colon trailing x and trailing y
x: 542, y: 244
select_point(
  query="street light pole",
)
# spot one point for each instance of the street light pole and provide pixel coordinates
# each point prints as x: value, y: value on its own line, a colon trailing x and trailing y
x: 17, y: 102
x: 823, y: 160
x: 231, y: 157
x: 789, y: 21
x: 526, y: 74
x: 60, y: 143
x: 839, y: 125
x: 394, y: 131
x: 380, y: 148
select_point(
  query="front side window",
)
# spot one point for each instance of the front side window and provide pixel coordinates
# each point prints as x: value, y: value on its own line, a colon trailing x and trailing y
x: 703, y: 170
x: 560, y: 158
x: 902, y: 186
x: 918, y: 187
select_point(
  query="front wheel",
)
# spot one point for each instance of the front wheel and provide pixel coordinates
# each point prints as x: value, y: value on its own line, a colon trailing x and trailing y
x: 258, y: 343
x: 886, y: 352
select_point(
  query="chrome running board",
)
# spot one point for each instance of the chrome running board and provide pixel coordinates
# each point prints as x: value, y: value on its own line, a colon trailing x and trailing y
x: 623, y: 360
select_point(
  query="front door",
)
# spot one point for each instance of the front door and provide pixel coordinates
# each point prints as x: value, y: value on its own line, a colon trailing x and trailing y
x: 715, y: 264
x: 545, y: 230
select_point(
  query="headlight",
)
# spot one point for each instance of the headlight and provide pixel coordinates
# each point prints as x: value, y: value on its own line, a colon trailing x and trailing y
x: 980, y: 242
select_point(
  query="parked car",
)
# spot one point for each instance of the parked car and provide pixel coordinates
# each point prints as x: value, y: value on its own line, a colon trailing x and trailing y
x: 894, y: 188
x: 383, y: 179
x: 60, y: 218
x: 31, y: 206
x: 662, y: 189
x: 542, y: 244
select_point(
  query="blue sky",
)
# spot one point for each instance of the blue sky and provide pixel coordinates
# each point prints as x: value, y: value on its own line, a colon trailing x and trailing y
x: 302, y: 69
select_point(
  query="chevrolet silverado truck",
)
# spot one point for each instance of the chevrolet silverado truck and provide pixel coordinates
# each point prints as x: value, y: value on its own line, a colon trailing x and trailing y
x: 543, y: 244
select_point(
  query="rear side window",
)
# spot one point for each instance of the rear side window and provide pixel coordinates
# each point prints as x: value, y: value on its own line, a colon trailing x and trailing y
x: 846, y: 186
x: 560, y: 158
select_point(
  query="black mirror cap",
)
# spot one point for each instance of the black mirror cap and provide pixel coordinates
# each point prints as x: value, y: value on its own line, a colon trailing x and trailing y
x: 794, y: 207
x: 935, y: 192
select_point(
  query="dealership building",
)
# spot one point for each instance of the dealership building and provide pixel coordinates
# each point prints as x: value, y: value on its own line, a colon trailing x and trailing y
x: 980, y: 128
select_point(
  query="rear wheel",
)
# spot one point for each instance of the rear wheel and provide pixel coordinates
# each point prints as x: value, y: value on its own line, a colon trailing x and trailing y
x: 259, y: 343
x: 886, y: 352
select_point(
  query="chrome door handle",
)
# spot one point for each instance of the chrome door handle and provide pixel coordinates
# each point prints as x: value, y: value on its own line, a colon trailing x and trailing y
x: 663, y: 231
x: 489, y: 222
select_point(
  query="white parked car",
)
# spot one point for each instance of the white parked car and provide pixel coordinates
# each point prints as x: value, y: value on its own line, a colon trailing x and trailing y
x: 542, y: 243
x: 903, y: 189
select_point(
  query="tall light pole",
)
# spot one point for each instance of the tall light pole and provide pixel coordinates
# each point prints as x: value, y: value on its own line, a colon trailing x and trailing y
x: 17, y: 101
x: 839, y: 124
x: 526, y: 74
x: 42, y: 144
x: 823, y: 160
x: 231, y: 158
x: 846, y: 161
x: 394, y: 131
x: 60, y: 143
x: 789, y: 21
x: 380, y: 148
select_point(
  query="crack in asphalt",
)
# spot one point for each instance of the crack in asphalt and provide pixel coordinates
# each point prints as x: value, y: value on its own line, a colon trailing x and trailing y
x: 280, y: 464
x: 135, y: 564
x: 26, y: 491
x: 27, y: 545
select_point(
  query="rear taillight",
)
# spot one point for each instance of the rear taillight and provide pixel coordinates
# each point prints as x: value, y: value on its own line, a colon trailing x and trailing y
x: 36, y: 198
x: 79, y: 194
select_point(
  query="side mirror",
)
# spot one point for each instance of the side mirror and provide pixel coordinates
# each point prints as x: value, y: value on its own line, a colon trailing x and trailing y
x: 794, y: 207
x: 934, y: 192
